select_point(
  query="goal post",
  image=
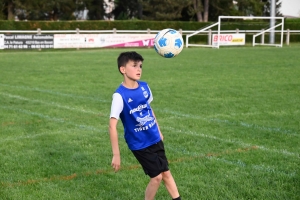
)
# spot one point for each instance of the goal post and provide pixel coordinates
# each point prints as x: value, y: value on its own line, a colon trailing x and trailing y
x: 219, y: 32
x: 197, y: 32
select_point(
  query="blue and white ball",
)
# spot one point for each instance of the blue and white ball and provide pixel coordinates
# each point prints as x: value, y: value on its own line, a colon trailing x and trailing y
x: 168, y: 43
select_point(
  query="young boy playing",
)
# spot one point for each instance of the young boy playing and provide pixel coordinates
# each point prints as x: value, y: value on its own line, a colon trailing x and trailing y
x: 131, y: 103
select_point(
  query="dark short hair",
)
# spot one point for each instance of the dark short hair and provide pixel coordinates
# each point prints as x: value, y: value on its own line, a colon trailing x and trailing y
x: 125, y: 57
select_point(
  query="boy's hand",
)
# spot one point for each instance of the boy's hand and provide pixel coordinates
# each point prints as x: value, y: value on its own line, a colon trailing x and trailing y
x: 116, y: 162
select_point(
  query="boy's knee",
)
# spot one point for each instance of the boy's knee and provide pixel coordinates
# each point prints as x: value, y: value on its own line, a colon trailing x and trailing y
x: 157, y: 178
x: 166, y: 174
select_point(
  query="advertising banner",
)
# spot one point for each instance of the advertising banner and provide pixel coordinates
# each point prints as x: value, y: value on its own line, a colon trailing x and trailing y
x: 103, y: 40
x: 27, y: 41
x: 1, y: 41
x: 228, y: 39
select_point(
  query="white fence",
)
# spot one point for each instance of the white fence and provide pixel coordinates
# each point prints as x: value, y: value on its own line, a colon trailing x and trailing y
x: 148, y: 32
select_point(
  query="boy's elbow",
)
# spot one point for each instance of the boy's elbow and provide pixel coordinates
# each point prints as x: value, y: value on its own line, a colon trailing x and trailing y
x: 112, y: 127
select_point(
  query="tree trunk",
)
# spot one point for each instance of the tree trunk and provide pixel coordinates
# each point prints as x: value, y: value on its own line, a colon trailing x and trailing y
x: 206, y: 8
x: 140, y: 9
x: 10, y: 11
x: 197, y: 7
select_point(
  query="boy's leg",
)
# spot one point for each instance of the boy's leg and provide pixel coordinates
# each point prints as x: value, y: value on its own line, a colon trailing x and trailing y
x: 152, y: 187
x: 170, y: 184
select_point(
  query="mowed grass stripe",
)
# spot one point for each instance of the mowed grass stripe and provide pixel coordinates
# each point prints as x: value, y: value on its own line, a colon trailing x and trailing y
x: 130, y: 167
x: 53, y: 92
x: 241, y: 143
x: 52, y: 104
x: 210, y: 156
x: 178, y: 114
x: 55, y: 119
x: 216, y: 120
x: 240, y: 123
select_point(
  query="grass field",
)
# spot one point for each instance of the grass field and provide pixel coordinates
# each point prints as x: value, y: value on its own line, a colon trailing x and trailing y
x: 230, y: 119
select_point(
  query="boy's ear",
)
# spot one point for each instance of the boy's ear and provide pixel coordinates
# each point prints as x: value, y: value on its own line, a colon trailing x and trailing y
x: 122, y: 69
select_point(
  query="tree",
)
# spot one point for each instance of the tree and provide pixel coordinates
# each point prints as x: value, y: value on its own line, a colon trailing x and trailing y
x: 42, y: 9
x: 7, y: 9
x: 96, y: 9
x: 267, y: 8
x: 257, y: 7
x: 250, y: 7
x: 222, y: 7
x: 128, y: 9
x: 2, y: 10
x: 149, y: 9
x: 199, y: 9
x: 163, y: 10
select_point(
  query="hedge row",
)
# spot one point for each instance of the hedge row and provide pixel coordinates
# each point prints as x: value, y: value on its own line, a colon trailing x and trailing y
x: 143, y: 25
x: 98, y: 25
x: 134, y: 25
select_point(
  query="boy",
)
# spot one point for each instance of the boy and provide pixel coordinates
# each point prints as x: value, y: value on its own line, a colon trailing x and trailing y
x: 131, y: 103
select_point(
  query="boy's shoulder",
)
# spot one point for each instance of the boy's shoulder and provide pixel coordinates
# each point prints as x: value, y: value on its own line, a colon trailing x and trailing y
x: 122, y: 90
x: 142, y: 83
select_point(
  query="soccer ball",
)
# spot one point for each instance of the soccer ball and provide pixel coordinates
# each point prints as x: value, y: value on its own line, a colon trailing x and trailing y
x: 168, y: 43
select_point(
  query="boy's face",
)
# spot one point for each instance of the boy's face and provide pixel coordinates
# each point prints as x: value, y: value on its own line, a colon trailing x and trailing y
x: 132, y: 70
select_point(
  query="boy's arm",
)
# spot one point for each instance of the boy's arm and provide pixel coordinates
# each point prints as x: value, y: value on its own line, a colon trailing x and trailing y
x: 116, y: 160
x: 161, y: 135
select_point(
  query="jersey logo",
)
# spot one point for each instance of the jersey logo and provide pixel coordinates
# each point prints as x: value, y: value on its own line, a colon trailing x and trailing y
x: 143, y: 120
x: 130, y: 100
x: 145, y: 93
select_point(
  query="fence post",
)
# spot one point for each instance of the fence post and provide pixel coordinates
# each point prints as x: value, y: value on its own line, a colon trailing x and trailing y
x: 237, y: 30
x: 77, y: 32
x: 180, y: 31
x: 263, y: 37
x: 39, y: 33
x: 114, y: 30
x: 209, y: 37
x: 288, y: 37
x: 148, y: 32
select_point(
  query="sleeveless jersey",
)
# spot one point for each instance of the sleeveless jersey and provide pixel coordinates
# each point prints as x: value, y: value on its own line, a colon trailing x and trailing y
x: 140, y: 127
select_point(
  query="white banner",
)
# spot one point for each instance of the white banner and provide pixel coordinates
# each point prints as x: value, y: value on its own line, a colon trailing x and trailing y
x: 1, y: 41
x: 229, y: 39
x: 103, y: 40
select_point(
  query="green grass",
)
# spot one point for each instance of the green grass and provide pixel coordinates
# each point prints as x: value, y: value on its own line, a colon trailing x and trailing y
x: 230, y: 118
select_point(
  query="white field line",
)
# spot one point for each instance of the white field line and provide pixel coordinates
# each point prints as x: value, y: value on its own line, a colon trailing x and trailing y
x: 243, y: 124
x: 263, y: 168
x: 240, y: 143
x: 228, y: 122
x: 238, y: 163
x: 54, y: 92
x: 258, y: 167
x: 220, y: 121
x: 59, y: 120
x: 49, y: 103
x: 37, y: 135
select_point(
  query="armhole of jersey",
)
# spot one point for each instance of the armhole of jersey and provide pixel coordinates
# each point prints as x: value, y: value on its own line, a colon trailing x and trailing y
x: 116, y: 106
x: 151, y: 96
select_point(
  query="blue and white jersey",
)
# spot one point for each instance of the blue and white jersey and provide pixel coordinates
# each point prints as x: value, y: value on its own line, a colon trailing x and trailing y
x: 133, y: 107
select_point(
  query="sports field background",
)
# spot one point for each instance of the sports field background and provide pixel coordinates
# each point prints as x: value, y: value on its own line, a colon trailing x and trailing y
x: 230, y: 119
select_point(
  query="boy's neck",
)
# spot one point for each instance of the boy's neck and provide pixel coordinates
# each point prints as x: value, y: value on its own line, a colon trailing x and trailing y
x: 130, y: 84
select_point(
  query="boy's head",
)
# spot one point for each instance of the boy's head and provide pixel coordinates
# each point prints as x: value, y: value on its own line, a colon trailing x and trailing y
x: 125, y: 57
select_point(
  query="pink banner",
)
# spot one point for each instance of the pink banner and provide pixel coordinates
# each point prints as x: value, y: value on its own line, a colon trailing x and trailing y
x: 103, y: 40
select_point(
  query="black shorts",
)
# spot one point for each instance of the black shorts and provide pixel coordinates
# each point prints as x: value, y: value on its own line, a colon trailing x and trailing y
x: 153, y: 159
